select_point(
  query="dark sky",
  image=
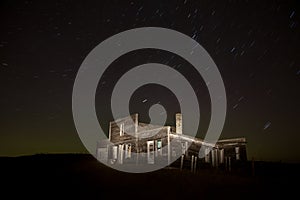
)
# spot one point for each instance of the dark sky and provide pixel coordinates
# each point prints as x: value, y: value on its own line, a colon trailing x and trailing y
x: 255, y: 45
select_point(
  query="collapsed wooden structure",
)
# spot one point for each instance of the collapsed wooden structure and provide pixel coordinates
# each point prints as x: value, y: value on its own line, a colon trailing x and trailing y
x: 132, y: 142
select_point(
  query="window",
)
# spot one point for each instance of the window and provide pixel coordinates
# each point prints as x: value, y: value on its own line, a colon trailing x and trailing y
x: 150, y: 152
x: 127, y: 151
x: 115, y: 152
x: 184, y: 147
x: 158, y: 150
x: 237, y: 153
x: 121, y: 129
x: 159, y: 144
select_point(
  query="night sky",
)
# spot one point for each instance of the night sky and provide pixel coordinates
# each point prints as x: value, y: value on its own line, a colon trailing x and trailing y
x: 255, y: 45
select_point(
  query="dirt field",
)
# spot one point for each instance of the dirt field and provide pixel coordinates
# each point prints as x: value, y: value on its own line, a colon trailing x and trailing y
x: 81, y: 176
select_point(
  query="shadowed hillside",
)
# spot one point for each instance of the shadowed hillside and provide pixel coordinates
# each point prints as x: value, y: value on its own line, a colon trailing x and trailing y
x: 80, y: 175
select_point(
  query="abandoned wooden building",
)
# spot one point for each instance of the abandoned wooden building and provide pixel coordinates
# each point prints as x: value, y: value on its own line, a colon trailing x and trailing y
x: 131, y: 142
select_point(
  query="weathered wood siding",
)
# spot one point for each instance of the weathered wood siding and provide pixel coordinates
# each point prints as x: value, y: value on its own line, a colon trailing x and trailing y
x: 130, y: 127
x: 156, y: 134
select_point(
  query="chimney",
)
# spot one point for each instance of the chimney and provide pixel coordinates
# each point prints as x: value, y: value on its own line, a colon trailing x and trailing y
x: 178, y: 117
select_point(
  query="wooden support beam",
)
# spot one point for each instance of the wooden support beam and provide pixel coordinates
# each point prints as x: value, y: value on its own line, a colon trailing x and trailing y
x: 169, y: 147
x: 181, y: 162
x: 192, y: 163
x: 195, y: 164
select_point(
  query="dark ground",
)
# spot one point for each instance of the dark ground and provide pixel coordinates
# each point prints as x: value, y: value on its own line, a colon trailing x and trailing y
x: 78, y: 175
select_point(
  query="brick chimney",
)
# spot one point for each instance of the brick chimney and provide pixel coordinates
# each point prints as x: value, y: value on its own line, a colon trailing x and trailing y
x: 178, y: 117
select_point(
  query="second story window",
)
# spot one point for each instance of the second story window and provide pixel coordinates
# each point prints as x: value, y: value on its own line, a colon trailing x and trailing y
x: 121, y: 129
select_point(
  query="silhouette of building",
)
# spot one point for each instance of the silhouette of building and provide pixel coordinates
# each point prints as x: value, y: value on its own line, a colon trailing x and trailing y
x: 131, y: 141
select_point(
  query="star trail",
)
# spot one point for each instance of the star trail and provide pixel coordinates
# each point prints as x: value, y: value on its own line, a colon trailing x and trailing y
x: 255, y: 45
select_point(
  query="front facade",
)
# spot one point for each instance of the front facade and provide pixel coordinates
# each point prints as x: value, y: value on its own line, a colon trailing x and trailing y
x: 133, y: 142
